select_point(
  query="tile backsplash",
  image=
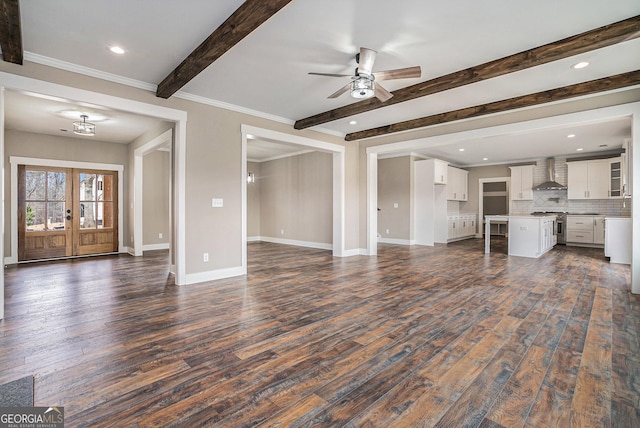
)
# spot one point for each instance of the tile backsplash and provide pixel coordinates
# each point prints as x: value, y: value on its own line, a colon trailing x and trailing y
x: 556, y: 200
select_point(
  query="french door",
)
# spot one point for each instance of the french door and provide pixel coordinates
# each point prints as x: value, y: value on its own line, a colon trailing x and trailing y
x: 64, y: 212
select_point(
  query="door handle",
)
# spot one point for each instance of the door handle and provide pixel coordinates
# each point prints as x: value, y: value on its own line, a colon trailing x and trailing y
x: 69, y: 217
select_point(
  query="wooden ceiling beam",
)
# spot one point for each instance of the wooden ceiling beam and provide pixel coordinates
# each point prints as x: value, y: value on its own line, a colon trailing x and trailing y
x: 580, y: 89
x: 249, y: 16
x: 10, y: 31
x: 575, y: 45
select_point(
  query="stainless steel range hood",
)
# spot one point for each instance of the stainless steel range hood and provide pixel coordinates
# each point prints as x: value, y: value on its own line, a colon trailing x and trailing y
x: 551, y: 184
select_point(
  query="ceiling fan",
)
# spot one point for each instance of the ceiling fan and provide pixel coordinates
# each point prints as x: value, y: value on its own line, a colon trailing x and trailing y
x: 363, y: 84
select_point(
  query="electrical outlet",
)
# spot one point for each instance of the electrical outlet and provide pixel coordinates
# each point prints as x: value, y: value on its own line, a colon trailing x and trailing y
x: 281, y: 231
x: 205, y: 257
x: 386, y: 231
x: 159, y: 235
x: 395, y: 205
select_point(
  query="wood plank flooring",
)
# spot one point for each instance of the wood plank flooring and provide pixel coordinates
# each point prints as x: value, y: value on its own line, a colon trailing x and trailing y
x: 441, y: 336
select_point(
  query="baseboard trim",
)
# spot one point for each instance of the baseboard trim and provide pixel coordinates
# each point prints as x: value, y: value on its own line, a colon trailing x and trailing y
x: 351, y: 253
x: 212, y: 275
x: 151, y: 247
x: 396, y: 241
x: 307, y: 244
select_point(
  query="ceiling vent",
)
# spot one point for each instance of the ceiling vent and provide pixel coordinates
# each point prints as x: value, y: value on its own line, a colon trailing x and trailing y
x: 551, y: 183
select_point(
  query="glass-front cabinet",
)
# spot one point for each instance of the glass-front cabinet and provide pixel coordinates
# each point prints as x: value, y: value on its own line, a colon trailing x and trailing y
x: 615, y: 178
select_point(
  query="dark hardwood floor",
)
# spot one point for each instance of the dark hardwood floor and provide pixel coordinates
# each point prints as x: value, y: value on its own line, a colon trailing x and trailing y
x: 417, y: 336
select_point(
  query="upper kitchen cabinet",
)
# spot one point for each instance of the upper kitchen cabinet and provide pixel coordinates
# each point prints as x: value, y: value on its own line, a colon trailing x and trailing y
x: 457, y: 184
x: 616, y: 181
x: 522, y: 183
x: 593, y: 179
x: 439, y: 171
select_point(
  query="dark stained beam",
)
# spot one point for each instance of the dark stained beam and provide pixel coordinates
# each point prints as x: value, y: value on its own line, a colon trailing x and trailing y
x: 580, y: 89
x: 10, y: 31
x: 575, y: 45
x: 240, y: 24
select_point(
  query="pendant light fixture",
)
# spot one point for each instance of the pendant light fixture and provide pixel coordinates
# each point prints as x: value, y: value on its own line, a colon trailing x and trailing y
x: 83, y: 127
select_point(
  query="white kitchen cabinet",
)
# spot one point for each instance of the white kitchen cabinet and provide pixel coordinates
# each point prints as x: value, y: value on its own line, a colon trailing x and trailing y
x: 457, y: 184
x: 530, y: 236
x: 440, y: 171
x: 585, y: 230
x: 616, y: 181
x: 521, y: 183
x: 430, y: 204
x: 461, y: 226
x: 598, y: 230
x: 617, y: 244
x: 588, y: 179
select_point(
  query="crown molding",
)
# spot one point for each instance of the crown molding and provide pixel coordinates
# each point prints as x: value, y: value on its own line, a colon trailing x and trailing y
x: 87, y: 71
x: 92, y: 72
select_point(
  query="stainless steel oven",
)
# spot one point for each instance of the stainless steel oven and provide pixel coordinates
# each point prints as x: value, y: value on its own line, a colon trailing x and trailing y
x: 561, y: 222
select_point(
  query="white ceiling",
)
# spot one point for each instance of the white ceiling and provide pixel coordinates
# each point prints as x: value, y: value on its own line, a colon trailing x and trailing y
x: 266, y: 73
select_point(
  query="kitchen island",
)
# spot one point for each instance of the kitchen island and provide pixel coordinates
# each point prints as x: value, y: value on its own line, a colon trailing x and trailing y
x: 527, y: 236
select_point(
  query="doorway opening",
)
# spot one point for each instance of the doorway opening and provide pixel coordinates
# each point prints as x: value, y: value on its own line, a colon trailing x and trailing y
x: 337, y: 162
x: 493, y: 200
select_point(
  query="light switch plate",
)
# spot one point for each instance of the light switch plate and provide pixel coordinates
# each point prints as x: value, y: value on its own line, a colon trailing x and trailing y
x: 217, y: 202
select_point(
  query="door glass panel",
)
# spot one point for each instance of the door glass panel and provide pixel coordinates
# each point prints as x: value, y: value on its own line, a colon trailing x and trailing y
x: 56, y: 186
x: 35, y: 185
x: 45, y: 193
x: 87, y: 187
x: 105, y: 215
x: 56, y: 215
x: 87, y: 215
x: 35, y: 215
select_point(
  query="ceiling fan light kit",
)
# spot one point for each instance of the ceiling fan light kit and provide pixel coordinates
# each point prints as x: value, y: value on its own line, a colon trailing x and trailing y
x: 84, y: 128
x: 362, y: 87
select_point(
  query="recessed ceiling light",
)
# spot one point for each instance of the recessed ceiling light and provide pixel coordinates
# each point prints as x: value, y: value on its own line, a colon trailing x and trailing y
x: 485, y: 158
x: 461, y: 150
x: 579, y: 65
x: 579, y: 150
x: 116, y: 50
x: 353, y: 122
x: 571, y: 135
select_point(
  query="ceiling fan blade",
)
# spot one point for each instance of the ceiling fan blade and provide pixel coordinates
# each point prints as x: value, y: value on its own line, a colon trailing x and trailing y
x: 366, y: 60
x: 340, y: 91
x: 331, y: 74
x: 381, y: 93
x: 399, y: 73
